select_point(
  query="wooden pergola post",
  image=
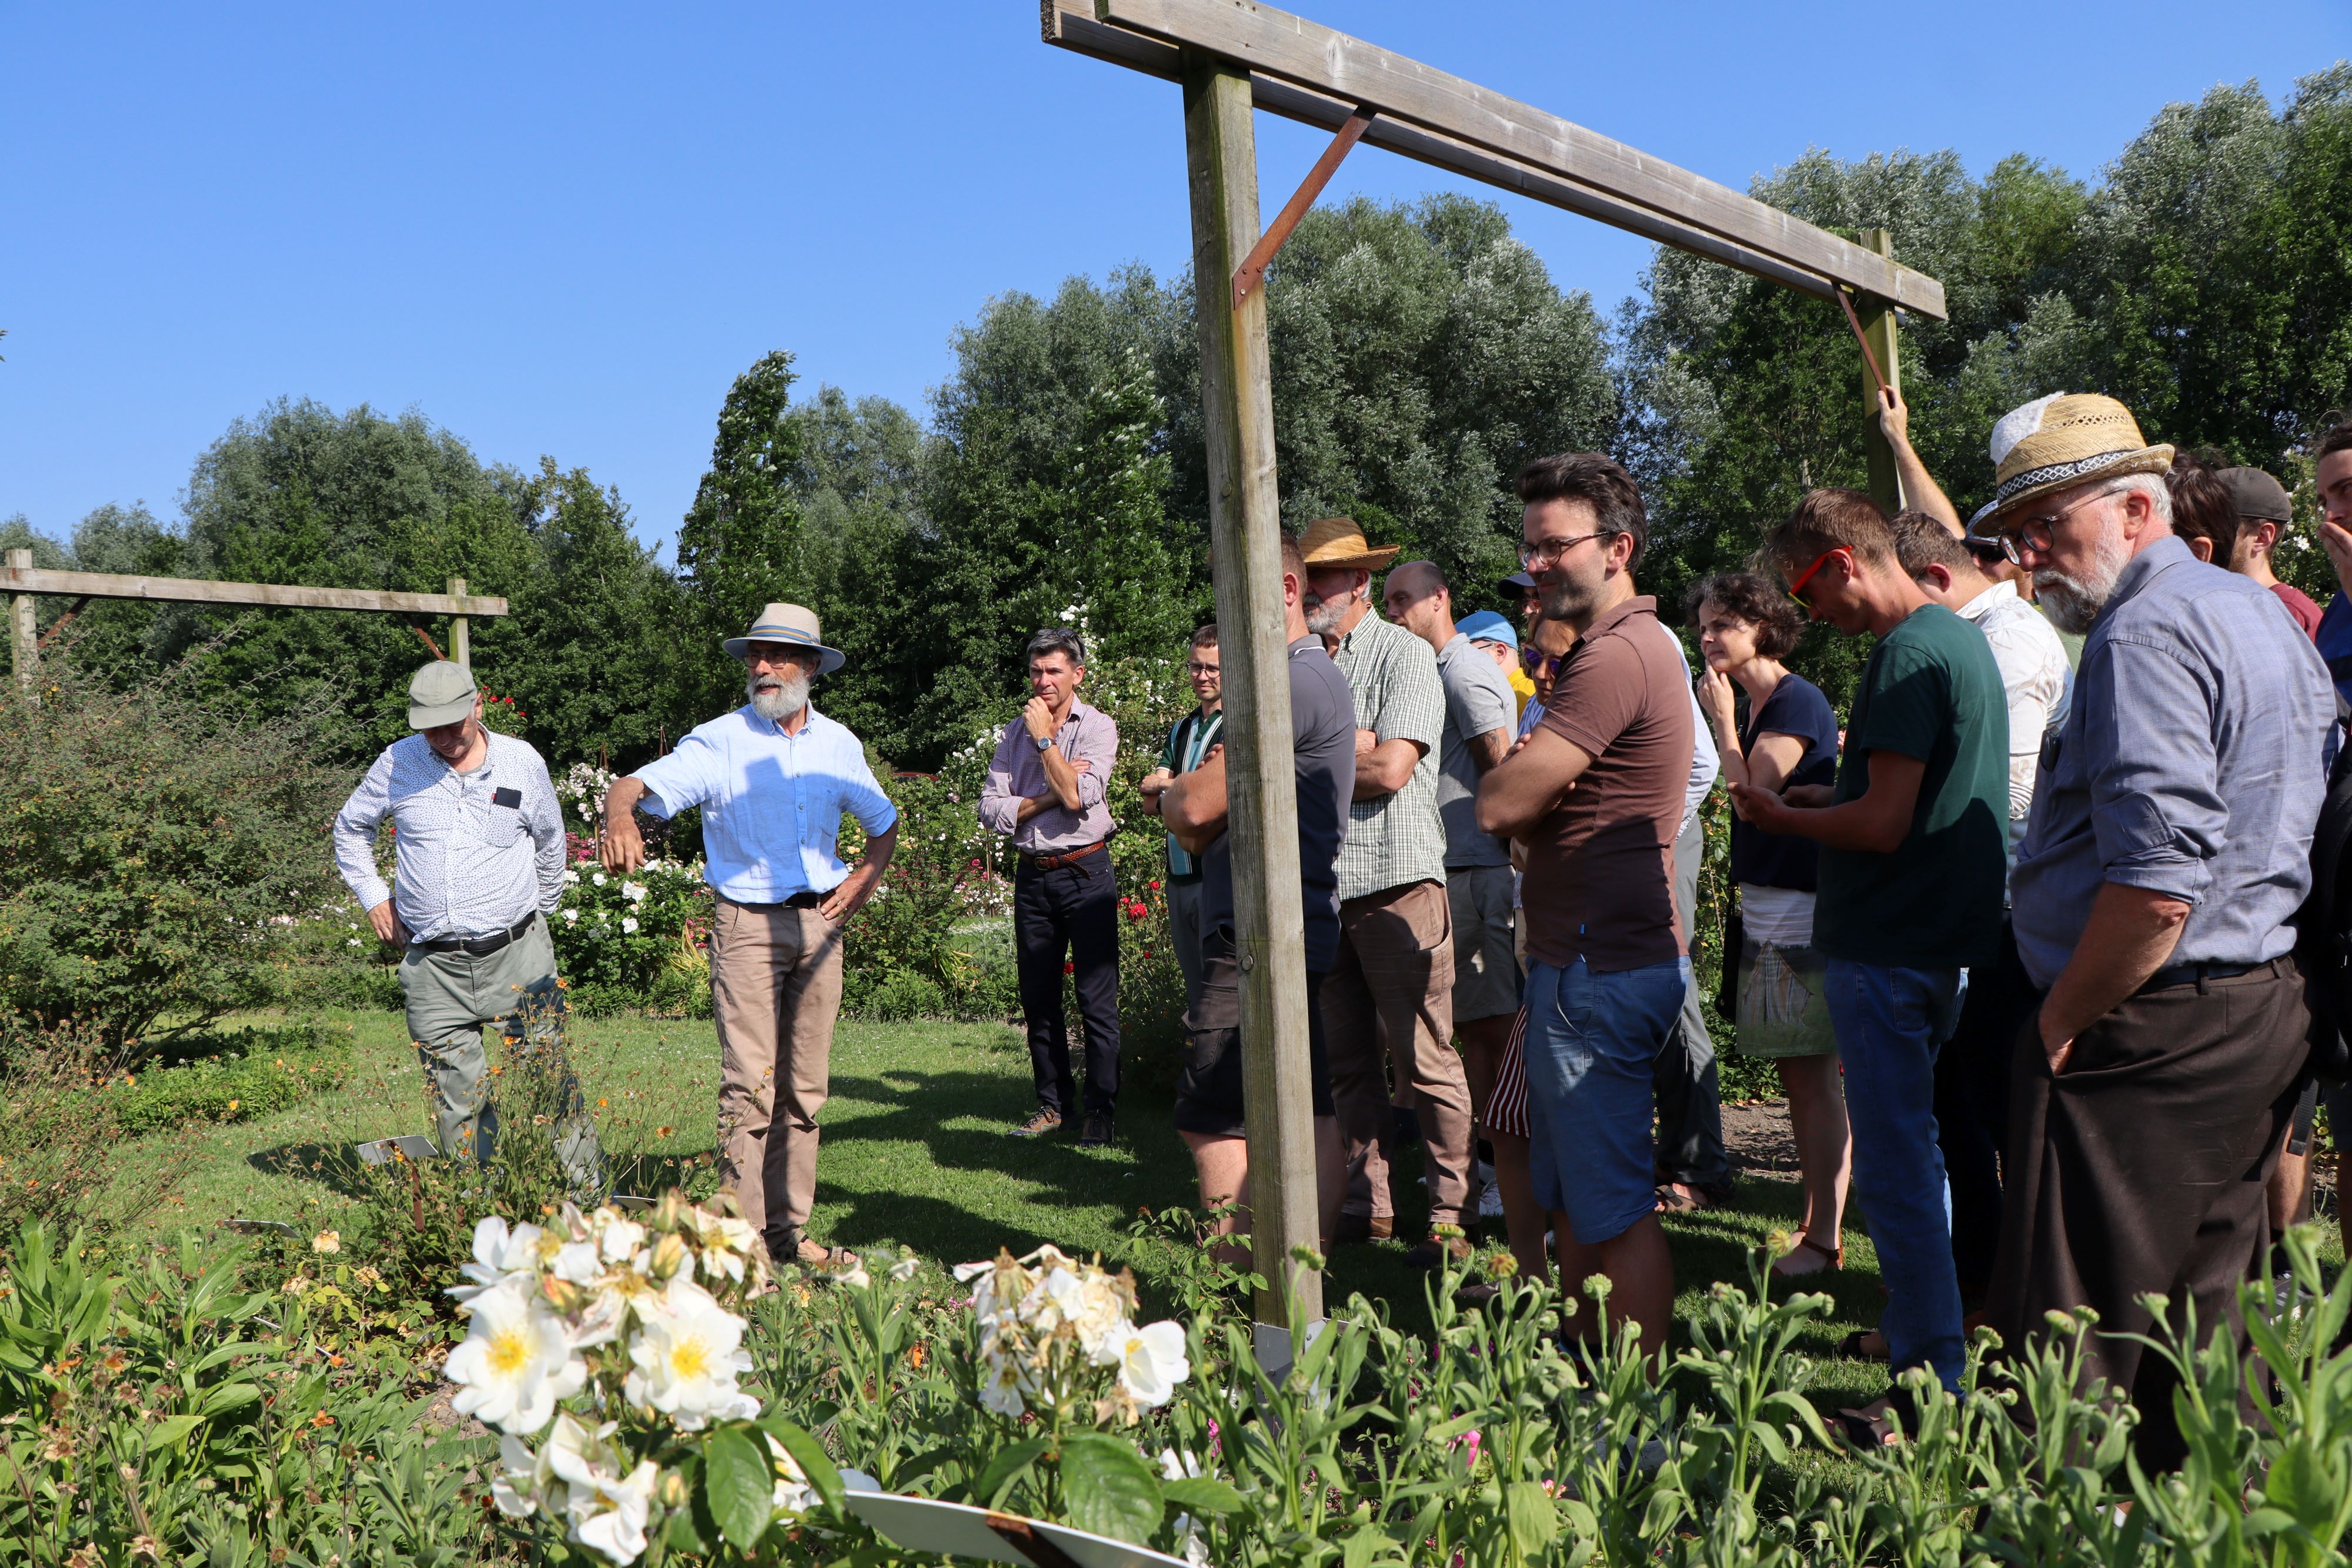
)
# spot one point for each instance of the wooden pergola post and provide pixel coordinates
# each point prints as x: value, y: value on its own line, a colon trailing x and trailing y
x: 1877, y: 319
x: 24, y: 642
x: 1244, y: 531
x: 461, y: 632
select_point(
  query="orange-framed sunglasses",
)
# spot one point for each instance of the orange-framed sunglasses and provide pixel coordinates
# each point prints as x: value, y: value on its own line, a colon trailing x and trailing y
x: 1797, y: 589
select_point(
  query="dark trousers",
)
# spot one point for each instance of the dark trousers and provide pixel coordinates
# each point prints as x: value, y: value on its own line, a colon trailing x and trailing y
x: 1972, y: 1107
x: 2141, y: 1168
x: 1069, y: 915
x: 1684, y: 1076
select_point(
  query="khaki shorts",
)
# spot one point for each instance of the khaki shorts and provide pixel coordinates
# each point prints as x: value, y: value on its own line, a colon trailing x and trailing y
x: 1485, y: 943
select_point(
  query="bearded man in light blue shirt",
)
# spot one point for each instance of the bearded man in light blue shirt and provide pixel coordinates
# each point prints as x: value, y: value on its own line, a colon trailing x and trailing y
x: 773, y: 779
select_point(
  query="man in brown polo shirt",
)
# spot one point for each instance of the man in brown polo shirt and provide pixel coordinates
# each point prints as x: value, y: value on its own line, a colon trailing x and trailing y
x: 1595, y: 790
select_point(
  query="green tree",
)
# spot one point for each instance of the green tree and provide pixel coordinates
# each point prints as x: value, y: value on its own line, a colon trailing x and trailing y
x: 740, y: 548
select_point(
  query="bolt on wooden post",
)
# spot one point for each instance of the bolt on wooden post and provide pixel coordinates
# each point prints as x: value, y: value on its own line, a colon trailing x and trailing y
x: 1244, y: 530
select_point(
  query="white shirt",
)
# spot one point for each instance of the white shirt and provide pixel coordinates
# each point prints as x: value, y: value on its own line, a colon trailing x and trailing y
x: 771, y: 802
x: 2041, y: 687
x: 475, y: 852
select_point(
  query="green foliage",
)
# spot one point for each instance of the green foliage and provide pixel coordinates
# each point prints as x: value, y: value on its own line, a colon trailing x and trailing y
x: 638, y: 940
x: 241, y: 1075
x: 739, y: 549
x: 153, y: 858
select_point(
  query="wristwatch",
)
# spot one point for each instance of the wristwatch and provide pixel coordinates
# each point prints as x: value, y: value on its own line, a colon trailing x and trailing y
x: 1045, y: 744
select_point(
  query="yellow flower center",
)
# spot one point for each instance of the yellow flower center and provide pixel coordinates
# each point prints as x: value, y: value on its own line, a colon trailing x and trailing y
x: 690, y: 1359
x: 509, y: 1350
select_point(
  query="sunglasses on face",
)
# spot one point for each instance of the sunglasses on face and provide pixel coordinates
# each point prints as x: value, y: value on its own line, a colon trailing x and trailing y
x: 1797, y: 589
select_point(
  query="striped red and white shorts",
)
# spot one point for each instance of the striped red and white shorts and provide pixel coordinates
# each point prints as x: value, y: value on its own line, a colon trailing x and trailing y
x: 1506, y: 1107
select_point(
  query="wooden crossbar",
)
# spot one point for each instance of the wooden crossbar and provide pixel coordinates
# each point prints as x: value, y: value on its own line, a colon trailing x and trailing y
x: 201, y: 591
x: 1312, y: 77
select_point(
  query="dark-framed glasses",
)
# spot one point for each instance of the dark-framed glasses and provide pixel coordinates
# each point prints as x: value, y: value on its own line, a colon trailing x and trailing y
x: 2040, y: 534
x: 1543, y: 552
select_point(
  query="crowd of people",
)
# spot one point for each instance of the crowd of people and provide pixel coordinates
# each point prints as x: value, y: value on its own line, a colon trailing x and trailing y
x: 2019, y: 937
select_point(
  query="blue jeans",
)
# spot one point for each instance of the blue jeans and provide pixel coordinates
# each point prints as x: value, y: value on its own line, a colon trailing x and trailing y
x: 1889, y: 1024
x: 1593, y: 1039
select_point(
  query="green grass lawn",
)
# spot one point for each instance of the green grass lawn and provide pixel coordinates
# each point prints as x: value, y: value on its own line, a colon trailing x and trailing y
x: 915, y: 1154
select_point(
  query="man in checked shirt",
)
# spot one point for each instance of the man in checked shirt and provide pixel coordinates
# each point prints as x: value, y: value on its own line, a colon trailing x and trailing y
x: 479, y: 843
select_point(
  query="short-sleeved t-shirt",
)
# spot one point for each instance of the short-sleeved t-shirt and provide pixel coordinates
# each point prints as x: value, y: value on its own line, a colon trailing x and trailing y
x: 1478, y: 702
x: 1323, y: 747
x: 1931, y: 691
x: 1600, y: 876
x: 1797, y: 708
x: 2299, y: 605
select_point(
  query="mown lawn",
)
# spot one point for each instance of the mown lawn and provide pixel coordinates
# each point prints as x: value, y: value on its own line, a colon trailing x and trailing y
x: 915, y: 1154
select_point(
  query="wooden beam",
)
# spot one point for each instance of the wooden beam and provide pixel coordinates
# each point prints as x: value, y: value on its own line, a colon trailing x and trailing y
x: 1876, y: 321
x: 1292, y: 49
x: 1077, y: 31
x: 461, y: 635
x: 24, y: 642
x: 1245, y: 536
x: 21, y: 579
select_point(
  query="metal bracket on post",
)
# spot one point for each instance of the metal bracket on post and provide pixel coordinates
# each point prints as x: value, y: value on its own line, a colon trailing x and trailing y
x: 1252, y: 271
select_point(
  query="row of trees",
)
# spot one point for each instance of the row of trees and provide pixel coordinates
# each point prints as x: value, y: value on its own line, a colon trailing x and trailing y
x: 1421, y: 355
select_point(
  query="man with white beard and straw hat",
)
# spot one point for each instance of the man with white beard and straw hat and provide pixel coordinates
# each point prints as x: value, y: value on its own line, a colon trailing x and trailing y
x: 773, y: 779
x: 2164, y: 859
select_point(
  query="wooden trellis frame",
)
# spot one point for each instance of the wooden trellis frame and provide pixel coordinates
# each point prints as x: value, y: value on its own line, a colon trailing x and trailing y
x: 1231, y: 57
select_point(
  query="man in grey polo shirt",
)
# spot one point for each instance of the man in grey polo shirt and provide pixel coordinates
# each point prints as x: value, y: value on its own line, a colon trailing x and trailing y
x: 479, y: 861
x: 1392, y: 984
x: 2164, y: 859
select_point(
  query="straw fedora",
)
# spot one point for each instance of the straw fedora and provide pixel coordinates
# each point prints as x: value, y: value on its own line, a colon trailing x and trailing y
x: 2057, y: 442
x: 786, y: 623
x: 1334, y: 543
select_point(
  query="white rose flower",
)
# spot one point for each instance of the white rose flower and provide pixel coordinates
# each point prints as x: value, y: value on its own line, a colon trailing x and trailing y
x: 634, y: 892
x: 621, y: 1240
x: 629, y: 925
x: 687, y: 1354
x: 500, y: 1255
x: 598, y: 879
x: 904, y: 1269
x: 607, y: 1512
x: 1002, y: 1390
x: 576, y: 1263
x: 525, y: 1482
x: 572, y: 917
x: 1151, y: 1363
x: 792, y: 1494
x: 570, y: 878
x: 515, y: 1362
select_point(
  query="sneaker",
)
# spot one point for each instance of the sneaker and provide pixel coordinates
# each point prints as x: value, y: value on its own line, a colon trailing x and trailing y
x: 1355, y: 1228
x: 1490, y: 1202
x: 1425, y: 1254
x: 1097, y: 1130
x: 1038, y: 1125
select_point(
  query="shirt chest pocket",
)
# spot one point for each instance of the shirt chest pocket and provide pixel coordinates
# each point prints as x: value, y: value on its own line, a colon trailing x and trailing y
x: 500, y: 825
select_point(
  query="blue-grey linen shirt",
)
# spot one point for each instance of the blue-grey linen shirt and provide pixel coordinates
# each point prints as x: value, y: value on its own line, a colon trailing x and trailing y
x: 2189, y: 765
x: 473, y: 852
x: 772, y: 801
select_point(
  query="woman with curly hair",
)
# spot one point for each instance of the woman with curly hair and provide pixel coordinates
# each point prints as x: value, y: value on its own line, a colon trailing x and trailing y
x: 1789, y: 737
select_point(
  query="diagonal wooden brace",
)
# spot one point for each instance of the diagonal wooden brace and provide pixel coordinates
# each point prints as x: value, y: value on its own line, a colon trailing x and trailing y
x: 1252, y: 271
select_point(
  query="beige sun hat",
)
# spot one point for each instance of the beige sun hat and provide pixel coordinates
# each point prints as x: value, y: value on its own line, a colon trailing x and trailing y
x: 1338, y: 542
x: 790, y: 624
x: 2057, y: 442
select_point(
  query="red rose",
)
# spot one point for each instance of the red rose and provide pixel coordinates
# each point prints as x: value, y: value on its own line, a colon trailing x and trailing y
x: 1154, y: 886
x: 1136, y: 912
x: 1068, y: 967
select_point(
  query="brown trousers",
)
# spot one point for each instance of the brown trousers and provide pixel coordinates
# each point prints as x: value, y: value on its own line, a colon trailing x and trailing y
x: 775, y: 992
x: 1391, y: 989
x: 2141, y: 1168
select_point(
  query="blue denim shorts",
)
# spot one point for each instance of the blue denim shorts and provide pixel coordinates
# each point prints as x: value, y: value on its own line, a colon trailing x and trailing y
x: 1593, y: 1038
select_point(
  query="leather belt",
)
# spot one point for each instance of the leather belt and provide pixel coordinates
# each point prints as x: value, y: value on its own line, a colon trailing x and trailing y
x: 806, y: 900
x: 479, y: 947
x: 1067, y: 857
x: 2191, y: 974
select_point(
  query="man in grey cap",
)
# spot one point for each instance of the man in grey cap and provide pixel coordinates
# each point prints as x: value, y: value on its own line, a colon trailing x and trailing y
x: 479, y: 859
x: 2264, y: 515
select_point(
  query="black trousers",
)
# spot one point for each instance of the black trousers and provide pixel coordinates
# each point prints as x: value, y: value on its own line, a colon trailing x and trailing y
x: 2141, y: 1168
x: 1972, y: 1107
x: 1069, y: 915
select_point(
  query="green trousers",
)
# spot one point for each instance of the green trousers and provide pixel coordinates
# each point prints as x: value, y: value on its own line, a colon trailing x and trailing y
x: 451, y: 997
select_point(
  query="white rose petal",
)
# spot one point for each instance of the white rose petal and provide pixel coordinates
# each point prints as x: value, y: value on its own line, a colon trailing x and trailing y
x: 1151, y: 1363
x: 687, y: 1356
x: 515, y: 1362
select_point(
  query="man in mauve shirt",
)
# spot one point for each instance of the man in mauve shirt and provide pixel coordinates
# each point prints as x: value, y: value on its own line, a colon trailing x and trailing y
x: 1596, y: 790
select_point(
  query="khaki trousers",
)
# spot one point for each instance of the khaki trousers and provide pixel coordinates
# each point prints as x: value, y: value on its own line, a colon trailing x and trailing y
x: 775, y: 992
x: 1391, y: 991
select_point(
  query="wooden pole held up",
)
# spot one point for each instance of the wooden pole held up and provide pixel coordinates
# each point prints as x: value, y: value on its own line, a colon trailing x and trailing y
x: 1244, y: 530
x: 1876, y: 319
x: 24, y: 642
x: 461, y: 635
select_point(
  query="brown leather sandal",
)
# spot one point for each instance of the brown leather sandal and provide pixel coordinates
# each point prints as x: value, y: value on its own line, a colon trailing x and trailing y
x: 1805, y: 1243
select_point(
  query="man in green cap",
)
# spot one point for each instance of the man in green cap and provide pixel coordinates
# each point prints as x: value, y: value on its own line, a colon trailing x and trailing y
x: 479, y: 858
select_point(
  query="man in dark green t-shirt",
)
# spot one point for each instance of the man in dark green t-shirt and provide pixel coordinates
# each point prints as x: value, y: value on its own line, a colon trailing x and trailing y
x: 1913, y: 840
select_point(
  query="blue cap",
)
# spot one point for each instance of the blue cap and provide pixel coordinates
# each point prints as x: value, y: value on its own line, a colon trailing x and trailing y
x: 1486, y: 626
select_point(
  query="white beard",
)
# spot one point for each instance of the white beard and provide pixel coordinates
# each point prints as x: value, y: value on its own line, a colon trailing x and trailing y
x: 775, y: 698
x: 2076, y: 602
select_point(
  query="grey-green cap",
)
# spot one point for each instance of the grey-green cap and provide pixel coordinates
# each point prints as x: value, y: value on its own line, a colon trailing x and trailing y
x: 2256, y: 495
x: 441, y: 693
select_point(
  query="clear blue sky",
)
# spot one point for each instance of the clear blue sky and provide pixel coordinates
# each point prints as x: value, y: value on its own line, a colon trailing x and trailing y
x: 564, y: 230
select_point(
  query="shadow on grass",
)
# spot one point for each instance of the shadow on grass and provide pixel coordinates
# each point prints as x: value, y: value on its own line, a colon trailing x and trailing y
x: 330, y: 1165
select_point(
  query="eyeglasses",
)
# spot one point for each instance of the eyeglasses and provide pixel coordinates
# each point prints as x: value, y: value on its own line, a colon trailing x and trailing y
x: 1797, y: 589
x: 2040, y: 534
x: 1197, y: 668
x: 1543, y: 552
x: 1540, y: 662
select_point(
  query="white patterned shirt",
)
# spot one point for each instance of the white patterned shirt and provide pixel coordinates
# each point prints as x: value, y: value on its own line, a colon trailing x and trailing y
x: 474, y: 853
x: 2039, y: 685
x: 1396, y: 838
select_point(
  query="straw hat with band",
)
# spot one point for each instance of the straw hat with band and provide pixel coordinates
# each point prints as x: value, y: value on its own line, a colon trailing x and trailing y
x: 2058, y: 442
x: 790, y: 624
x: 1335, y: 544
